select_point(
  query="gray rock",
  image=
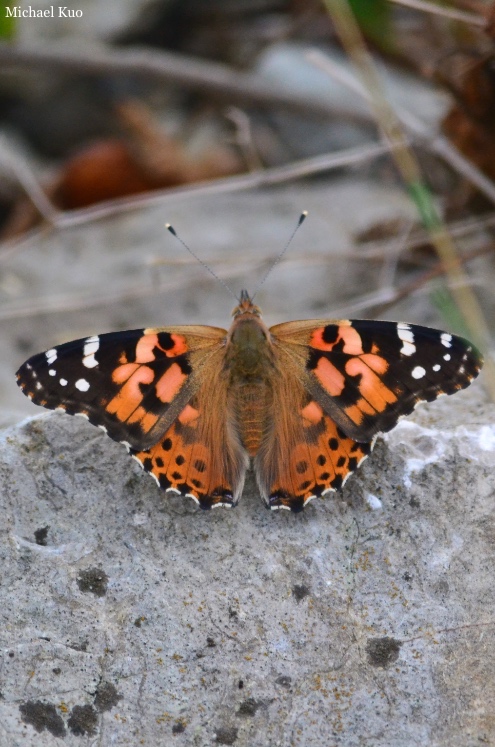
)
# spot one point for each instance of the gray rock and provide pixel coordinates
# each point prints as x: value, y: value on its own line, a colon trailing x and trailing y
x: 129, y: 617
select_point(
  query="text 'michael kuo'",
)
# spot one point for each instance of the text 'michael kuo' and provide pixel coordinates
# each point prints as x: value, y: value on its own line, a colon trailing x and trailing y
x: 53, y: 11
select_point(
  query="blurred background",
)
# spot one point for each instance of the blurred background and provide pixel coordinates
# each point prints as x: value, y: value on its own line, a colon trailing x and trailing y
x: 227, y: 119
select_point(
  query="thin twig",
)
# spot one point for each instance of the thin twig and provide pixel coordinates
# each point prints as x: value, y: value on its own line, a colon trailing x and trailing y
x: 443, y: 148
x: 380, y: 301
x: 163, y: 197
x: 230, y: 267
x: 390, y: 262
x: 244, y: 137
x: 454, y: 15
x: 68, y: 302
x: 188, y: 72
x: 415, y: 127
x: 457, y: 229
x: 436, y: 271
x: 20, y: 169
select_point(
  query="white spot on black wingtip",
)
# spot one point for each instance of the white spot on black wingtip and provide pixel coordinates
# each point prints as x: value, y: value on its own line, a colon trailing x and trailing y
x: 446, y: 339
x: 406, y: 334
x: 418, y: 372
x: 39, y: 385
x: 52, y: 372
x: 408, y: 348
x: 51, y: 356
x: 90, y: 361
x: 63, y: 382
x: 91, y: 345
x: 447, y: 357
x: 82, y: 385
x: 436, y: 367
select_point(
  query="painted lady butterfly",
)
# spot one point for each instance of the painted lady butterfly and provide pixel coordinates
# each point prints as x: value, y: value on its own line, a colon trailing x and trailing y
x: 304, y: 399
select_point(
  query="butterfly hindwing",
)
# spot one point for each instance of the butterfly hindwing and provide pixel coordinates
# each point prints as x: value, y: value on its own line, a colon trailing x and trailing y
x: 368, y: 374
x: 133, y: 384
x: 319, y: 459
x: 201, y: 454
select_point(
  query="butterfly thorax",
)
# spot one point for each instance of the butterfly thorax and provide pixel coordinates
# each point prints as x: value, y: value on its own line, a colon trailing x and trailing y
x: 249, y: 363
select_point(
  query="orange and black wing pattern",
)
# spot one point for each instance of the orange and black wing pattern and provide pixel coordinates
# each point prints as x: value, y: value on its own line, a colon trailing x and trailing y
x: 132, y: 384
x: 356, y: 379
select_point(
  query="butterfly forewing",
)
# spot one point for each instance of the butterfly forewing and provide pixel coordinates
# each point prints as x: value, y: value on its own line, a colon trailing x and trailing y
x: 367, y: 374
x: 133, y: 384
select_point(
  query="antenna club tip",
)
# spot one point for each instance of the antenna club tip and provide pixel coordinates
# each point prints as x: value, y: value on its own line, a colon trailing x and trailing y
x: 170, y: 228
x: 303, y: 217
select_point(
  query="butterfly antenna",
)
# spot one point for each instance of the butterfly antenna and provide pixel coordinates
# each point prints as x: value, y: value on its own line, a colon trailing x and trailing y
x: 301, y: 220
x: 207, y: 268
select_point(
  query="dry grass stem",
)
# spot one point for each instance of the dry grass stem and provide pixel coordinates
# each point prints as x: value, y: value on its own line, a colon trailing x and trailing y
x: 410, y: 171
x: 453, y: 14
x: 417, y: 130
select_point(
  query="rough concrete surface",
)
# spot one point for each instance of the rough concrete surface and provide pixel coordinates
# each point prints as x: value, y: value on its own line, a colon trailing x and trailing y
x: 129, y: 617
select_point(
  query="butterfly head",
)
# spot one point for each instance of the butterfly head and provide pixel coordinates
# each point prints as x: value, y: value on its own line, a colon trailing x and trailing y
x: 246, y: 306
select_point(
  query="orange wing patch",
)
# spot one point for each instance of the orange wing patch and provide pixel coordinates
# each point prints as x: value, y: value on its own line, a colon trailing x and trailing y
x: 352, y: 370
x: 147, y: 381
x: 200, y: 455
x: 170, y: 344
x: 320, y: 463
x: 185, y: 467
x: 347, y: 339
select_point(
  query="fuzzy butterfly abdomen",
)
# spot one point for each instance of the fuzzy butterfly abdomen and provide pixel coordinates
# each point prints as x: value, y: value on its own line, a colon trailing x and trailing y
x: 250, y: 364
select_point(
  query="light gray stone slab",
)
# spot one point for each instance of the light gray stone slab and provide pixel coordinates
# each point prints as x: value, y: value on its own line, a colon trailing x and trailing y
x: 366, y: 620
